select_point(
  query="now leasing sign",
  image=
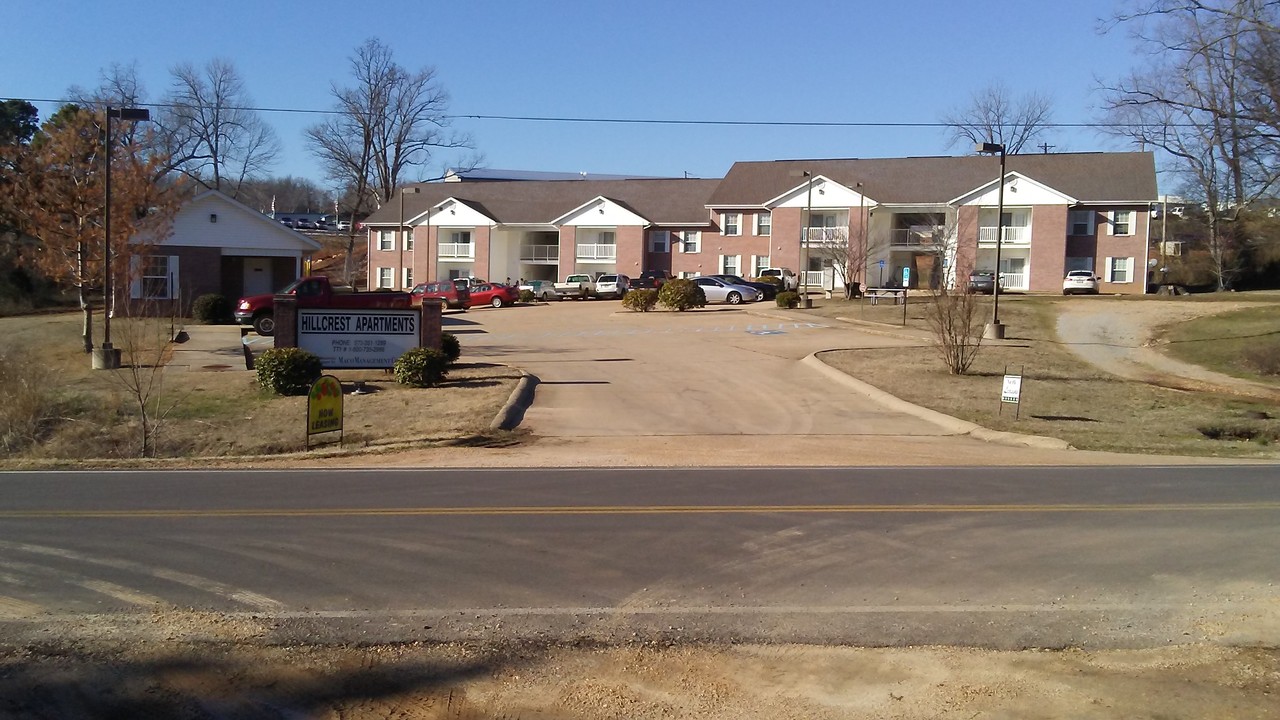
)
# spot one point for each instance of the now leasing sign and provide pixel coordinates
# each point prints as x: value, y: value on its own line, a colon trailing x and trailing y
x: 358, y: 338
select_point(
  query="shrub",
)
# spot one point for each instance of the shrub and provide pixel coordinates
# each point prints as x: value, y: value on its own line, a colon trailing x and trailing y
x: 450, y: 346
x: 957, y: 329
x: 527, y: 296
x: 212, y: 308
x: 421, y: 367
x: 642, y: 300
x: 29, y: 403
x: 287, y: 371
x: 787, y: 299
x: 771, y: 279
x: 681, y: 294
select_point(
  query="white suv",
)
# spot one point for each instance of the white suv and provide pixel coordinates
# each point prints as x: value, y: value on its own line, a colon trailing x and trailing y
x: 1080, y: 281
x: 612, y: 286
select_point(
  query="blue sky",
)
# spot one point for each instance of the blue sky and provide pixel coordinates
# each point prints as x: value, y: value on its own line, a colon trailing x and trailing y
x: 804, y: 60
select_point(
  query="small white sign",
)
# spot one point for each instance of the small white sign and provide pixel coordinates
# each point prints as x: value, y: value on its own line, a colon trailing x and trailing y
x: 358, y: 338
x: 1012, y: 388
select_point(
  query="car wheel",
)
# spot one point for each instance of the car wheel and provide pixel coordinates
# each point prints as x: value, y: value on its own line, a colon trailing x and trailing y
x: 264, y: 325
x: 733, y: 298
x: 496, y: 302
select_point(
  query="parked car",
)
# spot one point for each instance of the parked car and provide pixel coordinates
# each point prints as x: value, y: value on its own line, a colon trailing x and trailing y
x: 579, y: 285
x: 454, y: 295
x: 344, y: 225
x: 495, y: 294
x: 789, y: 279
x: 984, y: 281
x: 612, y: 286
x: 542, y: 289
x: 718, y: 290
x: 304, y: 224
x: 649, y: 280
x: 1080, y: 281
x: 313, y: 292
x: 286, y: 221
x: 768, y: 289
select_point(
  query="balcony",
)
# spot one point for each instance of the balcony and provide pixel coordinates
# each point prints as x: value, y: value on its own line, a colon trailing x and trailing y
x: 1013, y: 235
x: 597, y: 253
x: 917, y: 236
x: 460, y: 251
x: 827, y: 236
x: 540, y: 253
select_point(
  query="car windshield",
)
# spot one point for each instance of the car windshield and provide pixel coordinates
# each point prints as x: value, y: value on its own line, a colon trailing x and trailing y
x: 290, y: 287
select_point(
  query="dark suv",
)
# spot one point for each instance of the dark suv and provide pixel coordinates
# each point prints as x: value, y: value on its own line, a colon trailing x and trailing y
x: 456, y: 295
x: 983, y: 282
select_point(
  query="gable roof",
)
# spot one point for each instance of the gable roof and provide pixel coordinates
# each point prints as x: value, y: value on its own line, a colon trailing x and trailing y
x: 662, y: 201
x: 262, y: 230
x: 1088, y: 177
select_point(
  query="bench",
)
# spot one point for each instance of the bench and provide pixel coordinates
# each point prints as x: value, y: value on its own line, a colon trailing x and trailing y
x: 875, y: 294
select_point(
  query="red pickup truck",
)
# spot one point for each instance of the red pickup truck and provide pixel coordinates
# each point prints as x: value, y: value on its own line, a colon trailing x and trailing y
x: 312, y: 292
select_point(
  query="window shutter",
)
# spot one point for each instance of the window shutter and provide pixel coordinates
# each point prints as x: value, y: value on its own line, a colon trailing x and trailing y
x: 1107, y: 265
x: 677, y: 239
x: 720, y: 264
x: 755, y: 263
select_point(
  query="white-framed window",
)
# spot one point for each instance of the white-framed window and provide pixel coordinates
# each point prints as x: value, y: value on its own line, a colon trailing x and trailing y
x: 408, y: 278
x: 1080, y: 222
x: 764, y: 222
x: 732, y: 223
x: 157, y: 278
x: 758, y: 265
x: 690, y: 241
x: 386, y: 278
x: 730, y: 264
x: 607, y: 237
x: 408, y: 238
x: 1122, y: 222
x: 659, y: 241
x: 460, y: 237
x: 1119, y: 270
x: 386, y: 240
x: 686, y: 275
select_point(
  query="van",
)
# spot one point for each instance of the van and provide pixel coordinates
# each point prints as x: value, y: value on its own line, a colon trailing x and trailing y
x: 456, y: 296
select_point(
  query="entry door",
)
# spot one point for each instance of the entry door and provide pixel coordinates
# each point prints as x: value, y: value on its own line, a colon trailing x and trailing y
x: 257, y: 276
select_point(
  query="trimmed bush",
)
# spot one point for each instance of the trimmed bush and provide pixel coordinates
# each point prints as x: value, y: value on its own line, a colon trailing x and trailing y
x: 421, y: 368
x: 213, y: 309
x: 771, y: 279
x: 450, y: 346
x: 681, y: 294
x: 642, y: 300
x: 788, y: 299
x: 527, y: 296
x: 287, y: 371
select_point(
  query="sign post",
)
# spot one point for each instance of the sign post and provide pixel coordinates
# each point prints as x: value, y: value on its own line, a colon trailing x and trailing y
x: 324, y: 408
x: 1011, y: 392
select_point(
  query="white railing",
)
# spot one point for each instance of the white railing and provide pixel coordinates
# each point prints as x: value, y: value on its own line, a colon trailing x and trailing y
x: 540, y: 253
x: 597, y: 252
x: 826, y: 235
x: 814, y: 279
x: 457, y: 250
x: 1013, y: 281
x: 1012, y: 234
x: 919, y: 236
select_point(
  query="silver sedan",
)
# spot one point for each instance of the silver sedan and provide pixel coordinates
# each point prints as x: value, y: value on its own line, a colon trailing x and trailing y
x: 718, y: 290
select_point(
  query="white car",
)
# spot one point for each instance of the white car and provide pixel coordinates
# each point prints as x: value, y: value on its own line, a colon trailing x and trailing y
x: 720, y: 291
x: 1080, y: 281
x: 543, y: 290
x: 612, y: 286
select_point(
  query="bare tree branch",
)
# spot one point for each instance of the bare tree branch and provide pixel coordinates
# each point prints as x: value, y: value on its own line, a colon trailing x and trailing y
x: 993, y: 115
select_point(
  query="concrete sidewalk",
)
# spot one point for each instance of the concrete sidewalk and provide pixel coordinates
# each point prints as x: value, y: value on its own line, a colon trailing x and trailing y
x: 214, y: 348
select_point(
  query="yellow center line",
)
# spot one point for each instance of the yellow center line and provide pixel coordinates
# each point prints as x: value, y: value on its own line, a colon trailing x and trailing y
x: 642, y: 510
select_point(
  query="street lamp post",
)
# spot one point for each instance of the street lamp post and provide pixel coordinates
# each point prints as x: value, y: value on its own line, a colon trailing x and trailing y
x: 107, y: 357
x: 805, y: 302
x: 995, y: 329
x: 862, y: 236
x: 403, y: 238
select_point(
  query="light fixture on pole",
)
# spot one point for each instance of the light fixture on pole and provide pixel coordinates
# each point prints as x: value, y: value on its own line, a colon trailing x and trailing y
x: 403, y: 192
x: 805, y: 302
x: 107, y: 357
x: 862, y: 236
x: 994, y: 329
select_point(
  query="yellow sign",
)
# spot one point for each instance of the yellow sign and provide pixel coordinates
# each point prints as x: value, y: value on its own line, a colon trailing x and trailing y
x: 324, y: 408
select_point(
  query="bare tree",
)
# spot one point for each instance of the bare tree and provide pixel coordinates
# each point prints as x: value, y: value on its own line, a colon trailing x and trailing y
x: 1208, y: 100
x: 847, y: 255
x: 994, y: 115
x: 955, y: 322
x: 389, y: 121
x: 212, y: 135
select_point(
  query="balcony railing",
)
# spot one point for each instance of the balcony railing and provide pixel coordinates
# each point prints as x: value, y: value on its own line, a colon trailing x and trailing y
x: 917, y: 236
x: 457, y: 250
x: 1013, y: 281
x: 540, y: 253
x: 814, y: 278
x: 827, y: 236
x: 597, y: 252
x: 1012, y: 234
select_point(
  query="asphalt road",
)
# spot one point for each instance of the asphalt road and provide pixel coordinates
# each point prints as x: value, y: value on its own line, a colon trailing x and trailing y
x: 1004, y: 557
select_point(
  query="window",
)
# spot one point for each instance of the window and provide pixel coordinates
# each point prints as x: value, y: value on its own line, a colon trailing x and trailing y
x: 1122, y: 222
x: 733, y: 223
x: 690, y: 241
x: 686, y: 275
x: 1118, y: 269
x: 659, y: 241
x: 761, y: 263
x: 386, y: 278
x: 1080, y: 222
x: 386, y: 240
x: 729, y: 264
x: 157, y: 278
x: 408, y: 238
x: 460, y: 237
x: 408, y: 278
x: 764, y: 223
x: 607, y: 237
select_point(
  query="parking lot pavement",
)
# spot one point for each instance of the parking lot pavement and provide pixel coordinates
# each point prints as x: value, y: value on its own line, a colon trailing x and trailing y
x: 213, y: 348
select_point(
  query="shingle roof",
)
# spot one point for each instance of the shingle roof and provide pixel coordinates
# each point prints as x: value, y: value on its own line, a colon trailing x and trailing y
x: 1088, y: 177
x: 665, y: 202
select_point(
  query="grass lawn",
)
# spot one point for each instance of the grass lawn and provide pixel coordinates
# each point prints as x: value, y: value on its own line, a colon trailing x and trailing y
x: 1244, y: 343
x: 54, y: 407
x: 1063, y: 396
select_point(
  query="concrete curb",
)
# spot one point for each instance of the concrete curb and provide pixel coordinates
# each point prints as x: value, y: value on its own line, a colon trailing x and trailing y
x: 946, y: 422
x: 512, y: 412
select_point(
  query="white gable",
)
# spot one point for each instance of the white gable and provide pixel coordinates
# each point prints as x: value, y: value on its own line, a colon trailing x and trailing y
x: 826, y: 194
x: 600, y: 212
x: 214, y: 220
x: 1018, y: 190
x: 451, y: 213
